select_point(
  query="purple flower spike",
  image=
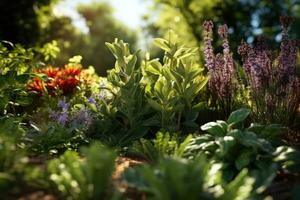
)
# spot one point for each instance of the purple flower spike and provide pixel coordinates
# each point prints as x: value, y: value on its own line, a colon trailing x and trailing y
x: 220, y: 68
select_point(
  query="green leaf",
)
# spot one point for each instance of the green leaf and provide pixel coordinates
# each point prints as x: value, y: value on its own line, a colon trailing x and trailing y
x: 213, y: 128
x: 238, y: 116
x: 226, y: 145
x: 240, y: 188
x: 243, y: 160
x: 162, y: 43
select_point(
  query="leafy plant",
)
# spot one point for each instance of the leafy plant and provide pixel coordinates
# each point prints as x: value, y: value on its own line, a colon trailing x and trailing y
x: 163, y: 145
x: 172, y: 87
x: 12, y: 156
x: 83, y: 178
x: 127, y: 117
x: 180, y: 179
x: 54, y: 138
x: 15, y: 70
x: 238, y: 147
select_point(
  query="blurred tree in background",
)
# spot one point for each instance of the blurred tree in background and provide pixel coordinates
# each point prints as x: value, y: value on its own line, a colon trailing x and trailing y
x: 32, y: 22
x: 245, y: 18
x: 102, y: 26
x: 22, y: 21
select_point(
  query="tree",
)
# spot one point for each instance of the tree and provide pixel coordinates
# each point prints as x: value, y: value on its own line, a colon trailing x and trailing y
x: 102, y: 27
x: 245, y: 18
x: 23, y: 21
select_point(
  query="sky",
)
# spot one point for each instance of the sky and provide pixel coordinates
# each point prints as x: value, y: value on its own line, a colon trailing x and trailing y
x: 129, y: 12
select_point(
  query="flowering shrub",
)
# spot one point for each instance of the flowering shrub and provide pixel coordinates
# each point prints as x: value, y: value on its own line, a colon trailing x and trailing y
x: 273, y: 83
x: 221, y: 68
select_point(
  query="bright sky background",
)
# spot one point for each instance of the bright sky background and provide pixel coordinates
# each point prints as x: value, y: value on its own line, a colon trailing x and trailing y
x: 129, y: 12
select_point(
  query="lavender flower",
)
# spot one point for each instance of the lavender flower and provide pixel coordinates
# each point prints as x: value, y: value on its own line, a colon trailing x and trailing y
x: 83, y: 117
x: 220, y: 67
x: 92, y: 100
x: 63, y: 104
x: 59, y: 116
x: 274, y: 85
x: 62, y: 118
x: 208, y: 49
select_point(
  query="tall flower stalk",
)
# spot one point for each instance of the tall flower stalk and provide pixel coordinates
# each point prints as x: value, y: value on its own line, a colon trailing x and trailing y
x: 220, y: 67
x: 273, y: 83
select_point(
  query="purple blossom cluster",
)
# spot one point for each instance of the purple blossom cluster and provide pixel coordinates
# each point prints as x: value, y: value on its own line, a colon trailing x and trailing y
x: 60, y: 116
x: 65, y: 116
x: 273, y: 82
x: 220, y: 67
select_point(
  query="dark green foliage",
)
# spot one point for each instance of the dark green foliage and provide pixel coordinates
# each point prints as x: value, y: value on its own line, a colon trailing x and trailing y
x: 238, y: 147
x: 54, y: 138
x: 171, y: 179
x: 20, y: 21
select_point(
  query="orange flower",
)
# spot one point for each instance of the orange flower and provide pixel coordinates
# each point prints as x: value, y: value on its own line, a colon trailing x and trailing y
x: 66, y: 79
x: 36, y: 85
x: 72, y: 71
x: 51, y: 72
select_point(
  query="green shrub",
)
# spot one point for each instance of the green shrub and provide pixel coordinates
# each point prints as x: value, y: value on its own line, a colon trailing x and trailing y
x: 237, y: 147
x: 163, y: 145
x: 180, y: 179
x: 80, y: 178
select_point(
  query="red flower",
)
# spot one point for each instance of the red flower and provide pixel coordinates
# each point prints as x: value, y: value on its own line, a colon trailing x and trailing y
x: 68, y: 85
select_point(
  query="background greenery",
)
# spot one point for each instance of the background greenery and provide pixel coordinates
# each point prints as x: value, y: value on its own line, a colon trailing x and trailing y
x: 34, y: 23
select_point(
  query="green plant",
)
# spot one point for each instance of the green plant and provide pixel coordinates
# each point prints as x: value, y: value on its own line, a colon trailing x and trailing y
x: 53, y: 138
x: 163, y: 145
x: 238, y: 147
x: 180, y: 179
x: 172, y: 87
x: 127, y: 117
x: 12, y: 155
x: 85, y: 178
x: 16, y: 63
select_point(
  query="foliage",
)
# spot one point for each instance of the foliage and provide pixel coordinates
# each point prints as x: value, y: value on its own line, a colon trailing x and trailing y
x: 172, y: 87
x: 12, y: 155
x: 179, y: 179
x: 130, y: 115
x: 15, y: 70
x: 83, y: 178
x: 245, y: 19
x: 24, y: 25
x: 102, y: 27
x: 163, y: 145
x: 238, y: 147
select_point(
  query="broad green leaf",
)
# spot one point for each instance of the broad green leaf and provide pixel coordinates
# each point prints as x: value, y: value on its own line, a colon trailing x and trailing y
x: 213, y: 128
x: 243, y: 160
x: 238, y: 116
